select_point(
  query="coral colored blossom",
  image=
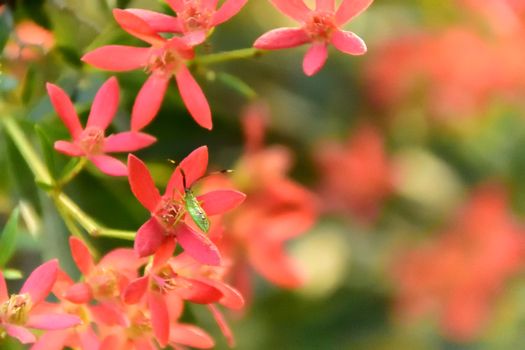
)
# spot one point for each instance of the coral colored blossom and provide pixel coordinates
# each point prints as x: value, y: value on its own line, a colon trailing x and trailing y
x: 91, y: 141
x: 458, y: 275
x: 164, y: 59
x: 169, y: 218
x: 21, y: 312
x: 319, y: 27
x: 29, y: 42
x: 195, y: 18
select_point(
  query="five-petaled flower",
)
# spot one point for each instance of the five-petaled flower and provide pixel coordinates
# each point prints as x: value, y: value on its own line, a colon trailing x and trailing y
x: 91, y: 142
x: 164, y: 59
x: 21, y: 311
x: 319, y: 27
x: 195, y: 18
x: 169, y: 219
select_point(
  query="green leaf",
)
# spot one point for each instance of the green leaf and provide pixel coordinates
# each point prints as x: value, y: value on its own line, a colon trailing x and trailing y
x: 47, y: 150
x: 8, y: 238
x: 12, y: 274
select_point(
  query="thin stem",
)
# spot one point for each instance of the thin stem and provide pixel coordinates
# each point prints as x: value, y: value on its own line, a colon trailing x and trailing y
x: 72, y: 173
x: 119, y: 234
x: 228, y: 56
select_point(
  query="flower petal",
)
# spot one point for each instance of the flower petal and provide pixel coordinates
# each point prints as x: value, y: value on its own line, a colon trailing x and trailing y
x: 223, y: 325
x: 315, y: 58
x: 81, y: 255
x: 197, y: 245
x: 159, y: 318
x: 194, y: 165
x: 282, y: 38
x: 118, y: 58
x: 105, y: 104
x: 190, y: 336
x: 228, y: 9
x: 109, y: 165
x: 53, y: 321
x: 160, y: 22
x: 348, y: 42
x: 40, y: 281
x: 199, y: 291
x: 194, y: 98
x: 68, y: 148
x: 137, y: 27
x: 4, y: 295
x: 142, y: 184
x: 349, y: 9
x: 128, y: 141
x: 53, y: 340
x: 149, y: 238
x: 79, y: 293
x: 295, y: 9
x: 164, y: 253
x: 220, y: 201
x: 231, y: 297
x: 20, y: 333
x: 325, y: 5
x: 148, y: 101
x: 195, y: 37
x: 89, y: 339
x: 65, y: 109
x: 135, y: 290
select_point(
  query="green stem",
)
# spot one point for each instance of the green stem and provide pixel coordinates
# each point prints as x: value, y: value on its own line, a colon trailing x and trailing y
x: 228, y: 56
x: 72, y: 173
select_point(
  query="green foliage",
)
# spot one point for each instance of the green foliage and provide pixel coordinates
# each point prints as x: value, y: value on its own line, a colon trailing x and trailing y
x: 8, y: 238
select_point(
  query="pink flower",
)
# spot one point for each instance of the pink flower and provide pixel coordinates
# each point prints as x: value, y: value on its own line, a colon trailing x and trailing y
x: 319, y: 27
x: 169, y: 219
x: 19, y: 312
x: 195, y: 18
x: 91, y: 142
x: 162, y: 60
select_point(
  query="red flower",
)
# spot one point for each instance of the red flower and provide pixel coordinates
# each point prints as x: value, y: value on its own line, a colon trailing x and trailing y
x: 21, y: 311
x: 91, y: 142
x: 319, y: 27
x: 169, y: 217
x: 164, y: 59
x: 195, y: 18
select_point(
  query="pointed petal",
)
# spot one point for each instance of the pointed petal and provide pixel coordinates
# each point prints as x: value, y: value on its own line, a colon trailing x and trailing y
x: 200, y: 247
x: 53, y: 340
x: 137, y: 27
x: 136, y: 290
x: 194, y: 165
x: 142, y: 184
x: 89, y: 339
x: 220, y: 201
x: 144, y: 344
x: 160, y: 22
x: 81, y: 255
x: 295, y: 9
x: 199, y: 291
x: 149, y: 238
x: 348, y: 42
x: 118, y: 58
x: 190, y: 336
x: 282, y: 38
x: 228, y: 9
x: 65, y: 109
x: 105, y: 104
x: 315, y: 58
x: 53, y: 321
x: 123, y: 259
x: 79, y: 293
x: 325, y: 5
x: 20, y: 333
x: 195, y: 37
x: 68, y: 148
x: 109, y: 165
x: 194, y: 98
x: 223, y: 325
x: 231, y: 297
x: 159, y: 318
x: 108, y: 314
x: 40, y: 281
x: 128, y: 141
x: 4, y: 295
x: 349, y: 9
x: 164, y: 252
x: 148, y: 101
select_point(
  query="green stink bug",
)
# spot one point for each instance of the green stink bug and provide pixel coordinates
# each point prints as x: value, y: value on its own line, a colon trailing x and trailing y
x: 193, y: 207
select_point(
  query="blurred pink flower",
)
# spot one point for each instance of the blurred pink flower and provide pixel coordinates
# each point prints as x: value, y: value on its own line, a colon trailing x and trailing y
x: 29, y: 42
x: 319, y: 27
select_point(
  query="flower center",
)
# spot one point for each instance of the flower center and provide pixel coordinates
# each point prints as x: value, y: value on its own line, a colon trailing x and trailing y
x: 170, y: 213
x: 16, y: 309
x: 92, y: 140
x: 104, y: 284
x: 320, y: 26
x: 164, y: 61
x: 195, y: 17
x: 140, y: 325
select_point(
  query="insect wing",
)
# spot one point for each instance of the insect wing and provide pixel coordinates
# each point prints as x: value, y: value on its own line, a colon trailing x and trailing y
x: 197, y: 214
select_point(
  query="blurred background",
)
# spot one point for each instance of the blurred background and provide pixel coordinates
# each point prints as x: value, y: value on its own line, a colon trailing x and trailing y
x: 405, y: 167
